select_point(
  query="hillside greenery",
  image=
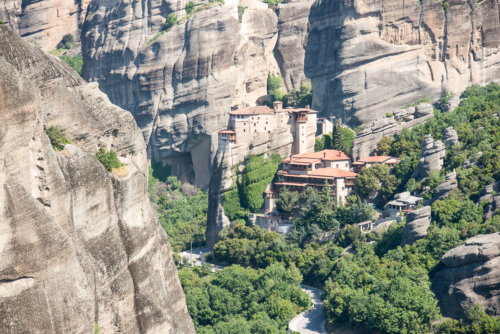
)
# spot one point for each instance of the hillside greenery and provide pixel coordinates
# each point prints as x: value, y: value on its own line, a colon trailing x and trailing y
x: 247, y: 191
x: 244, y: 300
x: 380, y: 286
x: 75, y: 62
x: 181, y: 208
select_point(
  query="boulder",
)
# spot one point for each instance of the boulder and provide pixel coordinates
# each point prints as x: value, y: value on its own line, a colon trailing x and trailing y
x: 450, y: 136
x: 417, y: 223
x: 486, y: 193
x: 445, y: 188
x: 431, y: 158
x: 452, y: 103
x: 471, y: 276
x: 469, y: 163
x: 491, y: 208
x: 423, y: 109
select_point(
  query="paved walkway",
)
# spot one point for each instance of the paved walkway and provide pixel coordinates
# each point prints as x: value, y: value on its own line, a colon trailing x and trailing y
x: 314, y: 321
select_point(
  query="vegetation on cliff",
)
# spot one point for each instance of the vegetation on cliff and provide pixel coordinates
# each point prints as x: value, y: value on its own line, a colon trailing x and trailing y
x: 57, y: 138
x: 294, y: 99
x: 339, y: 139
x: 247, y: 191
x: 182, y: 209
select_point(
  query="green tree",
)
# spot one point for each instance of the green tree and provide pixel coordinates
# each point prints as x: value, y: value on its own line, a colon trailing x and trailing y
x: 338, y: 139
x: 189, y: 7
x: 287, y: 201
x: 361, y: 212
x: 173, y: 182
x: 411, y: 185
x: 171, y: 20
x: 67, y: 42
x: 367, y: 182
x: 384, y: 145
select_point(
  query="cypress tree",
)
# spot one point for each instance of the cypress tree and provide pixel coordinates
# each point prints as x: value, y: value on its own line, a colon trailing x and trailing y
x: 337, y: 139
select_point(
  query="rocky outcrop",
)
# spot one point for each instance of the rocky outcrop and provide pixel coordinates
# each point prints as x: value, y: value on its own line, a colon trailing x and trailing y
x: 452, y: 103
x: 469, y: 163
x: 471, y: 276
x: 445, y: 188
x: 181, y: 86
x: 492, y: 207
x: 365, y: 143
x: 417, y: 223
x: 450, y: 136
x: 431, y: 158
x: 293, y: 20
x: 79, y: 246
x: 365, y: 58
x: 44, y: 22
x: 488, y: 190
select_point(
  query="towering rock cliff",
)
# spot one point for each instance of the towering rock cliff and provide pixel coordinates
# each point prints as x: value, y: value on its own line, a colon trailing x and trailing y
x: 181, y: 86
x: 44, y: 22
x: 367, y: 58
x: 293, y: 29
x: 79, y: 246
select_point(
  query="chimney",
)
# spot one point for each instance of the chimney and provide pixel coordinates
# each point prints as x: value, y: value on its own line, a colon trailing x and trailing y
x: 324, y: 154
x: 307, y: 107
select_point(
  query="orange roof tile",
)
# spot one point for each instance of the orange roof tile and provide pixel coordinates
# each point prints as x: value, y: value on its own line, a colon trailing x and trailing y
x: 304, y: 161
x: 332, y: 172
x: 324, y: 155
x: 226, y: 131
x: 259, y: 110
x: 377, y: 158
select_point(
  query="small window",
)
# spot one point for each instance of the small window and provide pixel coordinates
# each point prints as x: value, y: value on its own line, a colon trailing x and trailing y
x: 342, y: 188
x: 266, y: 122
x: 244, y: 130
x: 258, y: 117
x: 255, y: 130
x: 252, y: 117
x: 254, y: 124
x: 264, y: 129
x: 346, y: 165
x: 244, y: 123
x: 337, y: 165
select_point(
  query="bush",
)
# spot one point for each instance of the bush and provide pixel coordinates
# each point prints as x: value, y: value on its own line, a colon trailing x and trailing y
x: 67, y: 42
x: 241, y: 9
x: 109, y: 159
x: 173, y: 182
x: 189, y: 7
x: 172, y: 20
x: 75, y: 62
x: 57, y: 138
x: 388, y: 115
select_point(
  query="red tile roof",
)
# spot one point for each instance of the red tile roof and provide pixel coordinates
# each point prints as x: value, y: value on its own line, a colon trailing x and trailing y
x: 324, y: 155
x: 332, y: 172
x: 226, y: 131
x: 377, y: 158
x: 259, y: 110
x: 305, y: 161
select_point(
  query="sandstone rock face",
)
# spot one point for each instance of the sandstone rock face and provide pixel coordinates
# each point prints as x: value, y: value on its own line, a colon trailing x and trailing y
x: 292, y: 41
x: 492, y: 207
x: 417, y: 223
x: 445, y: 188
x: 471, y: 276
x: 180, y: 87
x: 431, y: 158
x: 450, y: 136
x: 45, y: 22
x: 452, y: 103
x: 78, y: 246
x: 365, y: 143
x: 486, y: 194
x: 365, y: 58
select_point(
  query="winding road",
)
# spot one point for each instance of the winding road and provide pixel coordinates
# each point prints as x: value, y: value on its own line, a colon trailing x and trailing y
x: 310, y: 323
x: 314, y: 321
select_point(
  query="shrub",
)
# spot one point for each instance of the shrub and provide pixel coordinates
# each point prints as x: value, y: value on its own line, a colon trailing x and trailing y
x: 57, y: 138
x: 173, y: 182
x: 67, y: 42
x: 75, y: 62
x: 241, y: 9
x: 388, y: 115
x: 189, y: 7
x: 108, y: 159
x: 172, y: 20
x: 1, y: 22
